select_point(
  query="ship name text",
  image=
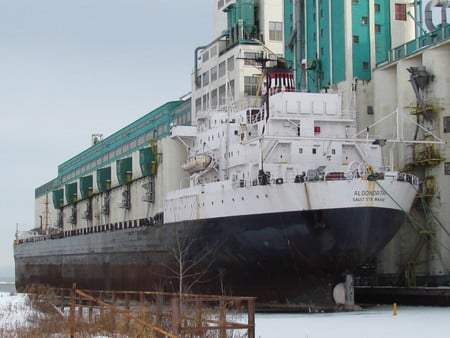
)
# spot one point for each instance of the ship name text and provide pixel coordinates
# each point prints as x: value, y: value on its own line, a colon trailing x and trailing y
x: 369, y: 196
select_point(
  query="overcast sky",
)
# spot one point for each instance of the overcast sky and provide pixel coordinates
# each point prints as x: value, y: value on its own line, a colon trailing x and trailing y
x: 71, y: 68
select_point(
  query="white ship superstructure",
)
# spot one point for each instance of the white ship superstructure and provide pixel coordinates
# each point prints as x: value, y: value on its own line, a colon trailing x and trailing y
x: 305, y: 139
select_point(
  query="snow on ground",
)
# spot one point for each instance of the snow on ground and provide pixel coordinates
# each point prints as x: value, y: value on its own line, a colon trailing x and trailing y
x: 15, y: 309
x: 371, y: 322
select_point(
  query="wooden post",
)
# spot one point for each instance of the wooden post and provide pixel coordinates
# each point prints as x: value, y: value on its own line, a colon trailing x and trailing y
x: 127, y: 301
x: 175, y: 315
x: 251, y: 318
x: 100, y: 296
x: 91, y: 305
x: 222, y: 318
x: 72, y: 311
x: 61, y: 298
x: 198, y: 313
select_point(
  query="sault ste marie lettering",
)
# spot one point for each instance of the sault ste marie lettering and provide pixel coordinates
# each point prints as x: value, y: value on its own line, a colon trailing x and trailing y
x: 369, y: 196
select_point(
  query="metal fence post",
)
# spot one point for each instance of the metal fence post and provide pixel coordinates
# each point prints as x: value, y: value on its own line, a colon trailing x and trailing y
x: 72, y: 311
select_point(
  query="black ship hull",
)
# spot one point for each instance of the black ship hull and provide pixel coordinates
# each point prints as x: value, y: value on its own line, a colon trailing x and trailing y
x: 275, y: 257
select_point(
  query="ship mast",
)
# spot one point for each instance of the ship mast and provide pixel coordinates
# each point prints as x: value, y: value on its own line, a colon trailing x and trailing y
x: 262, y: 59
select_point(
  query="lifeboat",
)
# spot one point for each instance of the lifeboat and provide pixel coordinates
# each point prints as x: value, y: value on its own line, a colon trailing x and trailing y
x: 196, y: 163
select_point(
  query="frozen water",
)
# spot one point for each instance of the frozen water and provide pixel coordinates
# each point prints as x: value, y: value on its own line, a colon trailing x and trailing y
x: 376, y: 321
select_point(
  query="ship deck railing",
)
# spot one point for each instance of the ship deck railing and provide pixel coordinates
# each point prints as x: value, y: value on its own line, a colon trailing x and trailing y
x: 143, y: 222
x: 330, y: 176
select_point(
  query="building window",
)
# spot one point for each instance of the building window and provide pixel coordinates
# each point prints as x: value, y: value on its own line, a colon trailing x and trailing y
x: 355, y: 38
x: 355, y: 1
x: 251, y: 85
x: 205, y: 78
x: 400, y: 12
x: 222, y: 69
x: 377, y: 28
x: 214, y: 73
x: 364, y: 20
x: 222, y: 98
x: 365, y: 65
x: 231, y: 89
x: 213, y: 51
x: 230, y: 63
x: 275, y: 31
x: 213, y: 98
x: 206, y: 101
x: 446, y: 124
x: 198, y: 104
x: 205, y: 56
x: 377, y: 8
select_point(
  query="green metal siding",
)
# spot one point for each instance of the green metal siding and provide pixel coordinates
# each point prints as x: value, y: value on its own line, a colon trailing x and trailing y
x: 361, y: 49
x: 338, y: 38
x: 324, y: 44
x: 383, y: 37
x: 46, y: 188
x: 415, y: 46
x: 154, y: 125
x: 58, y: 198
x: 288, y: 31
x: 246, y: 12
x: 313, y: 64
x: 241, y: 15
x: 86, y: 186
x: 147, y: 161
x: 104, y: 179
x: 150, y: 122
x: 71, y: 191
x: 124, y: 170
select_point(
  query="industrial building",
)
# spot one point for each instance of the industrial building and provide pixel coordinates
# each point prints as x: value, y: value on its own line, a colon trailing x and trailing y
x: 390, y: 62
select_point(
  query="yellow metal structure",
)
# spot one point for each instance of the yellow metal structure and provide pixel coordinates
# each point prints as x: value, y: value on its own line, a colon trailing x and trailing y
x: 427, y: 154
x: 421, y: 217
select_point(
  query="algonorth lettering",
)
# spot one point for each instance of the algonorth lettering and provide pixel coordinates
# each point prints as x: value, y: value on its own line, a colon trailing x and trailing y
x: 369, y: 196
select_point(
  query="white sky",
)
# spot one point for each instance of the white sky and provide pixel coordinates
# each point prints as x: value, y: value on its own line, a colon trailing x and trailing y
x: 71, y: 68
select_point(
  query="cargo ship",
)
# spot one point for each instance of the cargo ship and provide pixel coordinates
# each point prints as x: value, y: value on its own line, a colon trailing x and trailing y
x: 267, y: 193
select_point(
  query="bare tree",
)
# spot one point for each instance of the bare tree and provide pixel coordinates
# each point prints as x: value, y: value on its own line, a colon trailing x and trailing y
x: 192, y: 262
